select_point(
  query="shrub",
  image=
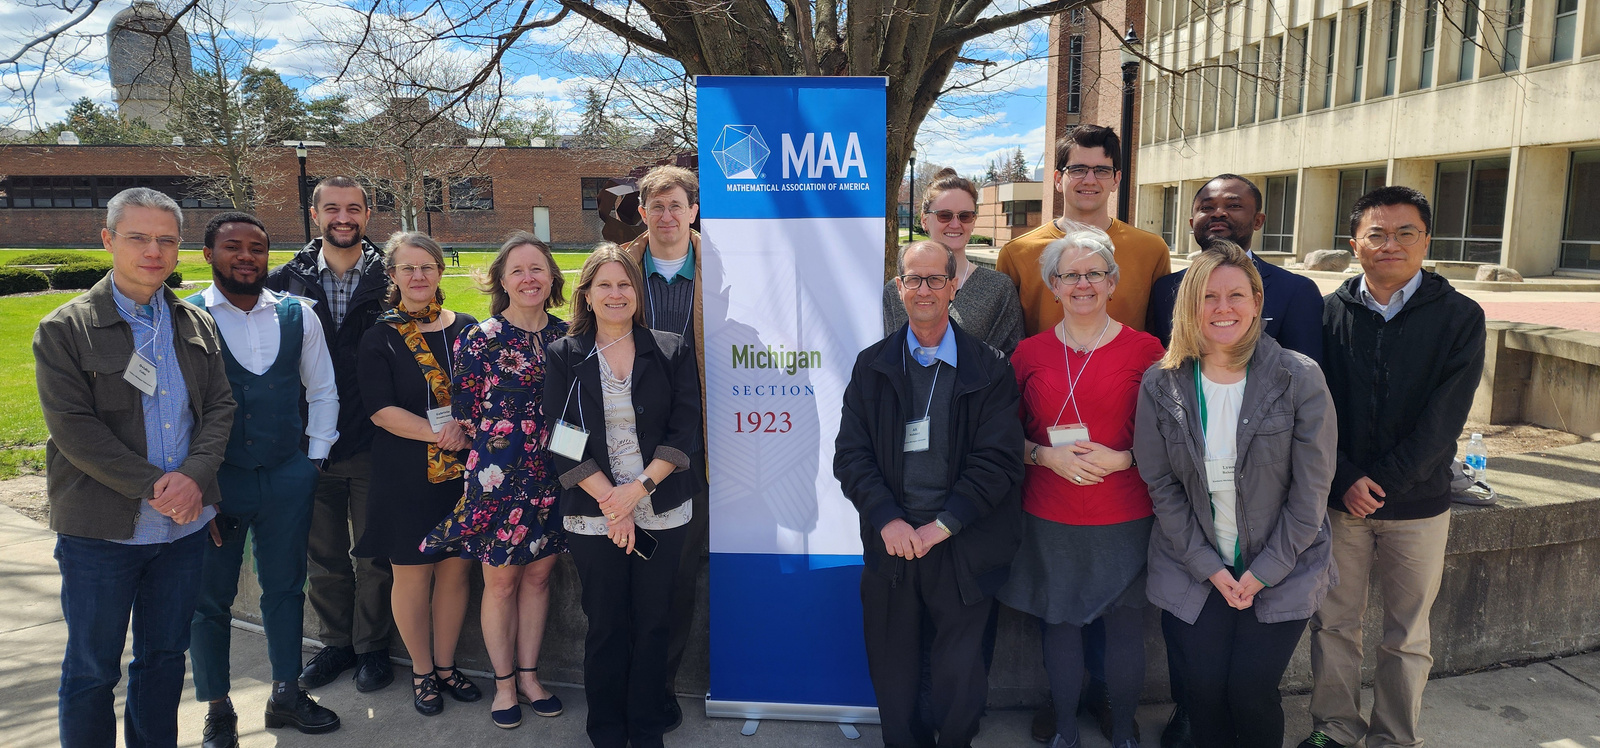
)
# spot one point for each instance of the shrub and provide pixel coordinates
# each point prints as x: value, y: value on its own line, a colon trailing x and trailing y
x: 981, y: 239
x: 175, y: 280
x: 22, y: 280
x: 82, y: 274
x: 56, y: 257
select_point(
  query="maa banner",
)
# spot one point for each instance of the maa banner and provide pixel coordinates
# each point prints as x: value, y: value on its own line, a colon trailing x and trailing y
x: 792, y: 218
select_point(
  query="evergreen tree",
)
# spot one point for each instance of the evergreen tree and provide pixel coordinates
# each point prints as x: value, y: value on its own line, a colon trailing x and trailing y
x: 275, y: 109
x: 1018, y: 170
x: 97, y: 124
x: 327, y: 119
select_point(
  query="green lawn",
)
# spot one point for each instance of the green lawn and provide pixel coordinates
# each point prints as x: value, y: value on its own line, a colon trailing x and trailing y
x: 21, y: 421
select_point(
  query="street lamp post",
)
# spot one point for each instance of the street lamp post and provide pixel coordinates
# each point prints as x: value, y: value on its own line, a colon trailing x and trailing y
x: 1130, y: 78
x: 911, y: 199
x: 300, y: 147
x: 427, y: 209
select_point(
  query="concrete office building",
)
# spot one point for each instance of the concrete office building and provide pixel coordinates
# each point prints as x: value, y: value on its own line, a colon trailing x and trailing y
x: 1489, y: 107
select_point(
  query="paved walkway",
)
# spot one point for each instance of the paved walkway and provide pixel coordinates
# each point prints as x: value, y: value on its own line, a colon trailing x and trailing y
x: 1549, y: 705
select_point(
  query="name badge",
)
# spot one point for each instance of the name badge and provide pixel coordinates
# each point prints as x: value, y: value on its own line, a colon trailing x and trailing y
x: 1063, y: 436
x: 917, y: 435
x: 438, y: 417
x: 568, y: 440
x: 141, y: 373
x: 1219, y: 475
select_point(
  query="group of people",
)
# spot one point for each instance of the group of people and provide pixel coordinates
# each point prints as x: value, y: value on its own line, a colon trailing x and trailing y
x: 1076, y: 434
x: 1082, y: 433
x: 379, y: 445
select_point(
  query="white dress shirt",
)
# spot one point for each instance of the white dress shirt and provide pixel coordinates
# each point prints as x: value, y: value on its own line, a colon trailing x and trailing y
x: 253, y: 337
x: 1396, y: 302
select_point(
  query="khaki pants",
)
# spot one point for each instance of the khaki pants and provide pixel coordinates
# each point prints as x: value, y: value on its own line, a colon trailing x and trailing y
x: 1410, y: 564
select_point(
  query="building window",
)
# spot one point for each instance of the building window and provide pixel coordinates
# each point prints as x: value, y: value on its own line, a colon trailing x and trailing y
x: 1353, y: 184
x: 1470, y: 209
x: 472, y: 193
x: 1513, y: 54
x: 1580, y: 238
x: 1075, y: 74
x: 1469, y: 41
x: 591, y: 187
x: 1169, y: 216
x: 1016, y: 211
x: 1361, y: 54
x: 383, y: 199
x: 1391, y: 61
x: 1273, y: 91
x: 1277, y: 234
x: 1566, y: 30
x: 432, y: 194
x: 96, y: 192
x: 1330, y: 63
x: 1246, y: 84
x: 1430, y: 41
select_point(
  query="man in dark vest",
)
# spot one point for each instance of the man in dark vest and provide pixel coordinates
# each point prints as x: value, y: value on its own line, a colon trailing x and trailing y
x: 342, y: 272
x: 272, y: 345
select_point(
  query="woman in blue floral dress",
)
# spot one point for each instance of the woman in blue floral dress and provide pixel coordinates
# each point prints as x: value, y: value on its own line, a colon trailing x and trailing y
x: 508, y: 518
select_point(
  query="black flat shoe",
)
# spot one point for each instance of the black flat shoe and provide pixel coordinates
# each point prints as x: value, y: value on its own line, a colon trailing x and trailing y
x: 222, y: 730
x: 456, y: 684
x: 425, y: 694
x: 326, y: 665
x: 1044, y: 723
x: 305, y: 715
x: 511, y: 716
x: 374, y: 673
x: 1178, y: 733
x: 550, y: 707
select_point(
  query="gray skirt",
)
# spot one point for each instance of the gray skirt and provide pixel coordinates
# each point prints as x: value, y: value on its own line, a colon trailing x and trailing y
x: 1075, y: 573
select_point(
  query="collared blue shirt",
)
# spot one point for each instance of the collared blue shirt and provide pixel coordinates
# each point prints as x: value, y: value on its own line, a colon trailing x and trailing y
x: 685, y: 271
x: 946, y: 350
x: 1396, y: 302
x: 168, y: 424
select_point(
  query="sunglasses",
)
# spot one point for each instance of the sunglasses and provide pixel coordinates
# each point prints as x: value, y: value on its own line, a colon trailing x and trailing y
x: 945, y: 216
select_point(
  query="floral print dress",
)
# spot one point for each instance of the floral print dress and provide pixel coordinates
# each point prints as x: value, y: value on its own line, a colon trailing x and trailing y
x: 508, y: 515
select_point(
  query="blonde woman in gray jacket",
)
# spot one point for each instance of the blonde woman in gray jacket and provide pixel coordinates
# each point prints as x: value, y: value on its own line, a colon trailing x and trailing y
x: 1235, y: 437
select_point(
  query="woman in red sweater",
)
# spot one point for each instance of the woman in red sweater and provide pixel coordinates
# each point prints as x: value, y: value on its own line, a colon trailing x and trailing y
x: 1088, y: 515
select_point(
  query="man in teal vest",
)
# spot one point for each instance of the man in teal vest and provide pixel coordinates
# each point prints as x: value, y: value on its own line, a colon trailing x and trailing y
x: 272, y: 345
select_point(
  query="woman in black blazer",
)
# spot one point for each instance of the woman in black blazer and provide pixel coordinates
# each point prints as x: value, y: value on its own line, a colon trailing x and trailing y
x: 623, y: 407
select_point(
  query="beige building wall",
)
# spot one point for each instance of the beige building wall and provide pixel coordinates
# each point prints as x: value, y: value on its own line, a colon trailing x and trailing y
x: 1285, y: 87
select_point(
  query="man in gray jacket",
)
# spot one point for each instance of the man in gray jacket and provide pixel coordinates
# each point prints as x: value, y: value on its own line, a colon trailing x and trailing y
x: 136, y: 398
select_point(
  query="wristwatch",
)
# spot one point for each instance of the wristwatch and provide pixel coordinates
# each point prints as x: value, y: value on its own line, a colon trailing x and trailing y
x: 649, y: 485
x: 1033, y: 455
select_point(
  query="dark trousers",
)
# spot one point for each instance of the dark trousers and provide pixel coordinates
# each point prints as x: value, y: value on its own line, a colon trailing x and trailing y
x: 103, y: 586
x: 273, y: 506
x: 628, y: 601
x: 892, y: 624
x: 686, y: 588
x: 350, y: 596
x: 1231, y: 665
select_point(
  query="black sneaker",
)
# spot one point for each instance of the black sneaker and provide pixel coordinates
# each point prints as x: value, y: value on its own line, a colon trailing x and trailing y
x: 303, y: 714
x: 373, y: 672
x: 1319, y: 739
x: 326, y: 665
x: 222, y: 730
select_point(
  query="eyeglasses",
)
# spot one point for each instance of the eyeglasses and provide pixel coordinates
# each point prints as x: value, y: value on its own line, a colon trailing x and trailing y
x: 945, y: 216
x: 1375, y: 239
x: 1071, y: 279
x: 410, y: 270
x: 657, y: 211
x: 1079, y: 171
x: 145, y: 240
x: 935, y: 282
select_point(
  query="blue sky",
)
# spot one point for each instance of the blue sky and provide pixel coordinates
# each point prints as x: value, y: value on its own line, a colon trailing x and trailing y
x: 986, y: 121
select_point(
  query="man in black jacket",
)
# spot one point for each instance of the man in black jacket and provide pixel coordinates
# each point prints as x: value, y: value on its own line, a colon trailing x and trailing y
x: 1403, y: 352
x: 343, y: 273
x: 930, y: 452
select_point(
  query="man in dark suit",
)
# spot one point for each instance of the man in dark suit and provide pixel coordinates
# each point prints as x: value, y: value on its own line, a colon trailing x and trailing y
x: 1229, y: 207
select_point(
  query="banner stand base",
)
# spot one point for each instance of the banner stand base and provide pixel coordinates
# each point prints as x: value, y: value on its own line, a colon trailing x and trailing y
x: 755, y: 710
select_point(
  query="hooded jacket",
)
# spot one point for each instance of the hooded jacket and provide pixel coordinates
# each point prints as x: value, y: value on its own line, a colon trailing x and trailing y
x: 986, y: 469
x: 1402, y: 389
x: 299, y: 276
x: 1285, y: 445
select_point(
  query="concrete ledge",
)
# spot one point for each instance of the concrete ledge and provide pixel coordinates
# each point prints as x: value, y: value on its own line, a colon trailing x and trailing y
x: 1549, y: 376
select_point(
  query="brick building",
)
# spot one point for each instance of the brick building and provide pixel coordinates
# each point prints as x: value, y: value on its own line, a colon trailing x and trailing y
x: 1007, y: 211
x: 1085, y: 83
x: 55, y: 196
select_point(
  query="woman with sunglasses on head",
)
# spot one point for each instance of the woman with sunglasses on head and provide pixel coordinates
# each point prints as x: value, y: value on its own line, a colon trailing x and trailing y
x: 508, y: 518
x: 986, y: 305
x: 623, y: 409
x: 1086, y: 514
x: 417, y: 464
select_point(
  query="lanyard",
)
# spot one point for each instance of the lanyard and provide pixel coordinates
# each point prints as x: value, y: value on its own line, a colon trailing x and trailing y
x: 1072, y: 382
x: 576, y: 382
x: 160, y: 314
x: 927, y: 411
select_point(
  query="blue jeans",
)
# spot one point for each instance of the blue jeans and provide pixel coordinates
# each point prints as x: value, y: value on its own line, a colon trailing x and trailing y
x: 103, y: 584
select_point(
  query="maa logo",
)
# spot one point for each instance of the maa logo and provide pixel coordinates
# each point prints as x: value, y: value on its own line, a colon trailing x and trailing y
x: 741, y: 152
x: 811, y: 158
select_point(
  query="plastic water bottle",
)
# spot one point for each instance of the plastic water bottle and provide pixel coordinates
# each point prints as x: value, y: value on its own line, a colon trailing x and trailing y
x: 1477, y: 459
